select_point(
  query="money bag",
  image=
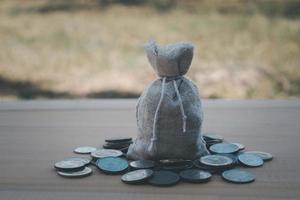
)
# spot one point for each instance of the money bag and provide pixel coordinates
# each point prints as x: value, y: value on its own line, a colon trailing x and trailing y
x: 169, y: 113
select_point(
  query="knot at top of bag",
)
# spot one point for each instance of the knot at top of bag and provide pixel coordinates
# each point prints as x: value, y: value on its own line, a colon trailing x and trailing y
x: 171, y: 60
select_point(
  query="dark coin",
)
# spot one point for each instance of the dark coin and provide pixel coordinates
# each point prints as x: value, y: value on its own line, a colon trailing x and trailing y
x: 85, y: 150
x: 164, y: 178
x: 195, y: 175
x: 137, y: 176
x: 208, y: 137
x: 124, y: 150
x: 112, y: 165
x: 77, y: 174
x: 102, y: 153
x: 224, y: 148
x: 118, y: 139
x: 70, y: 165
x: 212, y: 169
x: 216, y: 160
x: 142, y: 164
x: 117, y: 145
x: 211, y: 142
x: 241, y: 146
x: 238, y: 176
x: 178, y: 165
x: 263, y: 155
x: 199, y: 165
x: 250, y: 160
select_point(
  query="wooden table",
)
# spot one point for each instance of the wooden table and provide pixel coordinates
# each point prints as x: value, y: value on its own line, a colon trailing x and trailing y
x: 35, y: 134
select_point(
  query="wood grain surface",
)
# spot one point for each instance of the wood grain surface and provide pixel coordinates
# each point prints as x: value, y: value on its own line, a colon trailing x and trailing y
x: 35, y: 134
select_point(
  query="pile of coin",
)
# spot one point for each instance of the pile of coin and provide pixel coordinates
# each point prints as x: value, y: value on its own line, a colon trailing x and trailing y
x: 121, y: 144
x: 224, y: 158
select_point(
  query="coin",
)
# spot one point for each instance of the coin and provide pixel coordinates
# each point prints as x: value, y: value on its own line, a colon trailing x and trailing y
x: 264, y: 155
x: 69, y: 165
x: 116, y: 145
x: 112, y: 165
x: 250, y: 160
x: 238, y: 176
x: 195, y: 175
x: 177, y: 165
x: 200, y: 166
x: 234, y: 157
x: 102, y: 153
x: 137, y: 176
x: 86, y: 161
x: 77, y: 174
x: 241, y: 146
x: 216, y: 160
x: 208, y: 137
x: 164, y: 178
x: 142, y: 164
x: 85, y: 150
x: 118, y: 139
x: 124, y: 150
x: 224, y: 148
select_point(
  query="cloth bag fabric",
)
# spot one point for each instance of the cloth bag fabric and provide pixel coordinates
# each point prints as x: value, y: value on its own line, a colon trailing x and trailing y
x: 169, y: 113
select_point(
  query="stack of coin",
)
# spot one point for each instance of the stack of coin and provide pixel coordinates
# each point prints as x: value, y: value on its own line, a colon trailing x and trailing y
x: 176, y: 164
x: 211, y: 139
x: 120, y: 143
x: 74, y: 167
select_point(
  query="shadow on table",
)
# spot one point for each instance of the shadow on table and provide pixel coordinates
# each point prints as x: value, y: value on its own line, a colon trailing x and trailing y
x: 29, y: 90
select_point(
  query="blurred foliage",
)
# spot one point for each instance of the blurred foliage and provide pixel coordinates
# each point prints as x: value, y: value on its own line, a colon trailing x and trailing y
x: 93, y: 48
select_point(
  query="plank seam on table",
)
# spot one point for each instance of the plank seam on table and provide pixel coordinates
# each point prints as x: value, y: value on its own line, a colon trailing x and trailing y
x: 129, y: 104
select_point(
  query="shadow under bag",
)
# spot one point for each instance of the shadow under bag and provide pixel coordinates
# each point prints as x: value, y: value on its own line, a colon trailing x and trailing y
x: 169, y: 113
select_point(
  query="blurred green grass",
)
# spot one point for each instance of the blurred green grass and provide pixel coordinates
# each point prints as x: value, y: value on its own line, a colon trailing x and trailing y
x: 89, y: 48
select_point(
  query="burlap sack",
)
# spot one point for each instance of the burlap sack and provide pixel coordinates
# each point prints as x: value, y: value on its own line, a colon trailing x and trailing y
x: 169, y: 114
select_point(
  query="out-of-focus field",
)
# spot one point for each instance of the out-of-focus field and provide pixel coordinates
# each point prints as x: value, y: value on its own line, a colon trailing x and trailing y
x: 75, y: 49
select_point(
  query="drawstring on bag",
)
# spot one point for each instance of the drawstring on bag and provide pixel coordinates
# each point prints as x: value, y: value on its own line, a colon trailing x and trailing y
x: 153, y: 145
x: 183, y: 116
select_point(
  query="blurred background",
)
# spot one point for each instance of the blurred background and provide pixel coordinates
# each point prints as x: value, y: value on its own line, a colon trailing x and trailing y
x: 94, y: 48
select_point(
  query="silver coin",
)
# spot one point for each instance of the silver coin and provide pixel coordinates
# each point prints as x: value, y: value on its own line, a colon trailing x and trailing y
x: 224, y: 148
x: 241, y: 146
x: 137, y: 176
x: 216, y: 160
x: 77, y: 174
x: 69, y: 165
x: 85, y: 150
x: 238, y: 176
x: 103, y: 153
x: 86, y: 161
x: 250, y: 160
x: 142, y: 164
x: 264, y: 155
